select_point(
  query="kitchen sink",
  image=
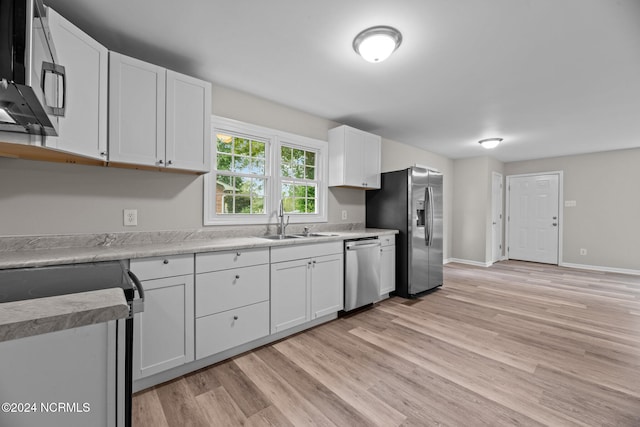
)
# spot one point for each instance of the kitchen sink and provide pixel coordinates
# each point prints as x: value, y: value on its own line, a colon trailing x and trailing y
x: 315, y: 235
x: 279, y: 237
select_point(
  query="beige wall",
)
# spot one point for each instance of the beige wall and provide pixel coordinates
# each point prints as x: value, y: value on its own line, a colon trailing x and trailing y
x: 50, y: 198
x: 472, y: 219
x: 396, y: 156
x: 606, y: 219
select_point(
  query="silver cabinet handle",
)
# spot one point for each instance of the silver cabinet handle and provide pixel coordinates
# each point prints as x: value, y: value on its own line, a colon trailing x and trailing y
x: 103, y: 153
x: 238, y: 253
x: 235, y: 317
x: 237, y: 276
x: 161, y: 162
x: 170, y: 162
x: 166, y: 261
x: 555, y: 224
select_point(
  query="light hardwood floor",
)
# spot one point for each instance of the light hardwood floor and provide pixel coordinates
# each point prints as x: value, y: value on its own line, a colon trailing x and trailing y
x: 514, y: 344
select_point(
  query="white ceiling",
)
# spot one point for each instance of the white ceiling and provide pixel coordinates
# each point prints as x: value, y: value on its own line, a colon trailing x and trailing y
x: 551, y: 77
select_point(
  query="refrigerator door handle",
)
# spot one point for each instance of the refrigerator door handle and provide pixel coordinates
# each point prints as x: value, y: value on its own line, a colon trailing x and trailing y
x: 427, y: 229
x: 431, y: 216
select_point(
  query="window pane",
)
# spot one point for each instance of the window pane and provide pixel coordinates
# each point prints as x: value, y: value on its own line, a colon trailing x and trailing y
x: 287, y: 190
x: 257, y: 205
x: 310, y: 158
x: 241, y: 146
x: 223, y: 162
x: 310, y: 173
x: 242, y: 164
x: 288, y: 204
x: 311, y: 191
x: 257, y: 149
x: 300, y: 190
x: 298, y: 156
x: 243, y: 204
x: 224, y: 143
x: 258, y: 167
x: 298, y: 171
x: 311, y: 206
x: 301, y: 205
x: 285, y: 162
x: 258, y: 187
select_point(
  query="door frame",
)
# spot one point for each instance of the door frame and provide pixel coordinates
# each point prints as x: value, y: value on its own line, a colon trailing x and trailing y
x: 560, y: 207
x: 501, y: 223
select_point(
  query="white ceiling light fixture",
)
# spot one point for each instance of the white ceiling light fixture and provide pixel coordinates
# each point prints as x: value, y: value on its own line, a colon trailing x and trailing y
x: 490, y: 142
x: 376, y: 44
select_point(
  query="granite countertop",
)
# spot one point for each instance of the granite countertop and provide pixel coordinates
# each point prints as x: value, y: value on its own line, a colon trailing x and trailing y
x: 37, y: 316
x: 20, y: 319
x: 53, y: 256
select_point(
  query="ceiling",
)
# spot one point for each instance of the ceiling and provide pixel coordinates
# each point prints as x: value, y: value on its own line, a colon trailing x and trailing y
x: 550, y: 77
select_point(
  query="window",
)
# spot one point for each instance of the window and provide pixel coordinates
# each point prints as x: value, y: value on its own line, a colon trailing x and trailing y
x: 255, y: 167
x: 298, y: 185
x: 241, y: 179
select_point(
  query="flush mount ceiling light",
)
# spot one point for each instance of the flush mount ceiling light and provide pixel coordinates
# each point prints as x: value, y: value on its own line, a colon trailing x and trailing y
x: 490, y: 142
x: 375, y: 44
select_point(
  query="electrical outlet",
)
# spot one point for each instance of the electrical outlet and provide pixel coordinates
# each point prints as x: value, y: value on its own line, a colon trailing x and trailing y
x: 583, y: 251
x: 344, y: 215
x: 130, y: 217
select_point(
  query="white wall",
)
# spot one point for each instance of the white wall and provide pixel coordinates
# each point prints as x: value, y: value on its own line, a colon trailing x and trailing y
x: 606, y: 219
x: 396, y: 156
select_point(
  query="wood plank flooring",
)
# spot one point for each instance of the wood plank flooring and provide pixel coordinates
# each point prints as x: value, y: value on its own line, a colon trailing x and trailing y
x: 513, y: 344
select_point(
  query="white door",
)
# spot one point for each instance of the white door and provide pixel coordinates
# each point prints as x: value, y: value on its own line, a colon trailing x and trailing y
x: 534, y: 218
x: 496, y: 217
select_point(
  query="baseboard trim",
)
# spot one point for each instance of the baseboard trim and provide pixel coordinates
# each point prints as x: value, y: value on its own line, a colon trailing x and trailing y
x: 600, y: 268
x: 469, y: 262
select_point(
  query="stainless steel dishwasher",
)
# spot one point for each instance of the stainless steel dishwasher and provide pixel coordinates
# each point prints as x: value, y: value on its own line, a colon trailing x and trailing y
x: 361, y: 272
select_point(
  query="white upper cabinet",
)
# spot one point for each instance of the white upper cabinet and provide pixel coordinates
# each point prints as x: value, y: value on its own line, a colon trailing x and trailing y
x: 188, y: 122
x: 354, y: 158
x: 157, y: 117
x: 83, y: 129
x: 136, y: 111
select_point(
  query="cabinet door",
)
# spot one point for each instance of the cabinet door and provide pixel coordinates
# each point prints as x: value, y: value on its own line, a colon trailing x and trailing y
x: 327, y: 285
x: 289, y: 294
x: 136, y: 111
x: 354, y: 155
x: 163, y: 332
x: 387, y: 269
x: 83, y: 129
x: 371, y: 167
x: 188, y: 122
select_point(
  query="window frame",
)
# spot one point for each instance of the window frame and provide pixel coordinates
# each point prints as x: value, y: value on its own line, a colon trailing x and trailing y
x: 273, y: 139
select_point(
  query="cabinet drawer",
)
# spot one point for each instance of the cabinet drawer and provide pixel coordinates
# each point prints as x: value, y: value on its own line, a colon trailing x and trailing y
x: 388, y: 240
x: 214, y: 261
x: 286, y: 253
x: 223, y: 290
x: 231, y: 328
x: 157, y: 267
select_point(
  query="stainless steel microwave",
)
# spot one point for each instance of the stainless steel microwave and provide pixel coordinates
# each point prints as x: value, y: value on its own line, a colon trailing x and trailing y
x: 32, y: 82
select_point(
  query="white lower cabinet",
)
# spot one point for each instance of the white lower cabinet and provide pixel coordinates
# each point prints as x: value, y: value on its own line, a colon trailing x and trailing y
x: 231, y: 328
x: 387, y: 265
x: 164, y: 331
x: 306, y: 288
x: 231, y: 299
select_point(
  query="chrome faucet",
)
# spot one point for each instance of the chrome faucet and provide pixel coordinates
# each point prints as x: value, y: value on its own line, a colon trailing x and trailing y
x: 283, y: 226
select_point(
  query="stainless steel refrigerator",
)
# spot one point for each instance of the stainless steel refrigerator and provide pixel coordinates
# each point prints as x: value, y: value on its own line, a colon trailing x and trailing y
x: 410, y: 201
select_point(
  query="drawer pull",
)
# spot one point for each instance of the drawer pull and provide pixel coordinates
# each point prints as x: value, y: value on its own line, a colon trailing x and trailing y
x: 238, y: 253
x: 166, y: 261
x: 235, y: 317
x: 237, y: 276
